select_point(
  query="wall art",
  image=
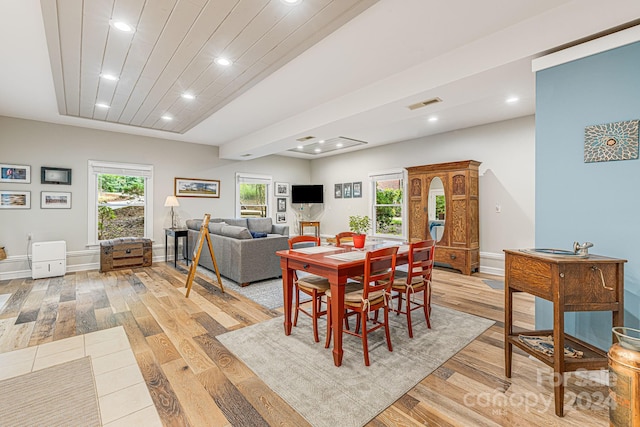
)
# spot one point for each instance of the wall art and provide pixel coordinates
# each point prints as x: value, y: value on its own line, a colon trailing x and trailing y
x: 611, y: 141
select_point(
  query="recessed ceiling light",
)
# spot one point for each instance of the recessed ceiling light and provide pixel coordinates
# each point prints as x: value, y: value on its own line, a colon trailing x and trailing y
x: 300, y: 147
x: 101, y: 105
x: 291, y: 2
x: 167, y: 118
x: 317, y: 150
x: 188, y: 96
x: 433, y: 119
x: 223, y: 61
x: 321, y: 141
x: 339, y: 145
x: 512, y: 100
x: 122, y: 26
x: 109, y: 77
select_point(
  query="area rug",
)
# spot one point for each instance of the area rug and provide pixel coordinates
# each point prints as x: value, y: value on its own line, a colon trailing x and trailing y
x: 61, y: 395
x: 267, y: 293
x: 303, y: 374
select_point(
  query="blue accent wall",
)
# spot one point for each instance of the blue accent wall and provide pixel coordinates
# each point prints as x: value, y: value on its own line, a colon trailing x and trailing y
x: 595, y: 202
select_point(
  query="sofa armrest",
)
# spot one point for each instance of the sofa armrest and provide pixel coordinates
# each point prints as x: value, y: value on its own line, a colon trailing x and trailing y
x: 282, y: 229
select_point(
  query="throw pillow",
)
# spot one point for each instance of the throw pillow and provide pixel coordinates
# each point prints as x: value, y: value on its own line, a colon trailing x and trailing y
x: 261, y: 225
x: 258, y: 234
x: 235, y: 232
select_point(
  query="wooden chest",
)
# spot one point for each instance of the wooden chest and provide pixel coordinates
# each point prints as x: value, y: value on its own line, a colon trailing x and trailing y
x: 126, y: 252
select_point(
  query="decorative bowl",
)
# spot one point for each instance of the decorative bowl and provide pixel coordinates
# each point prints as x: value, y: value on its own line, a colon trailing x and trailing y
x: 628, y: 338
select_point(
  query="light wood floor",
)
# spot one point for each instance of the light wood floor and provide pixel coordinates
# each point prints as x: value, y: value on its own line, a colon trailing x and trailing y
x: 195, y: 381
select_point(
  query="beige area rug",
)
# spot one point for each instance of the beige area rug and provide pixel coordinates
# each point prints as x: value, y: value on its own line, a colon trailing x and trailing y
x: 302, y: 371
x: 61, y: 395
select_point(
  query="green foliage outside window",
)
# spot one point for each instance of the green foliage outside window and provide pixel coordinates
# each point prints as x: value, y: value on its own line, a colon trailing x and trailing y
x: 389, y: 217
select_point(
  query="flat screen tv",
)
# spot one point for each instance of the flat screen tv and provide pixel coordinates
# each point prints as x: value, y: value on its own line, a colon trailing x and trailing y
x: 307, y: 194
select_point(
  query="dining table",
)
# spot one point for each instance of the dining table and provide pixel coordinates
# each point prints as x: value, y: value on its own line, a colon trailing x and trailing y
x: 337, y: 264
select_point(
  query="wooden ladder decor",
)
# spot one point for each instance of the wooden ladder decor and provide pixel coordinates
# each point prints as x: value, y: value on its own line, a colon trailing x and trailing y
x: 197, y: 250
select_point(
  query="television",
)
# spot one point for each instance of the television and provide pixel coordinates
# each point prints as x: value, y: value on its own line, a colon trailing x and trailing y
x: 307, y: 194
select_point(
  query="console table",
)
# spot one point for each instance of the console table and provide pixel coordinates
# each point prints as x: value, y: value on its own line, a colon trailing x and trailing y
x: 315, y: 224
x: 176, y: 233
x: 594, y: 283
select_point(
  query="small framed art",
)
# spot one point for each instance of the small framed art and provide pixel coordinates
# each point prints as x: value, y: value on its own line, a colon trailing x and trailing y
x: 337, y: 191
x: 281, y: 217
x: 281, y: 189
x: 282, y: 204
x: 55, y: 200
x: 18, y: 174
x: 55, y: 175
x: 357, y: 189
x: 346, y: 190
x: 15, y: 199
x: 191, y: 187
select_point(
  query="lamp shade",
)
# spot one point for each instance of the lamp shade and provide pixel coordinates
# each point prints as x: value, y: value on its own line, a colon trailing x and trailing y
x: 171, y: 201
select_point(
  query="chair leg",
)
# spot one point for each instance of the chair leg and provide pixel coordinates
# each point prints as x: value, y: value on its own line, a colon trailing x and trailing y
x: 399, y: 303
x: 365, y: 343
x: 427, y: 305
x: 297, y: 306
x: 409, y: 326
x: 386, y: 327
x: 327, y: 340
x: 314, y: 315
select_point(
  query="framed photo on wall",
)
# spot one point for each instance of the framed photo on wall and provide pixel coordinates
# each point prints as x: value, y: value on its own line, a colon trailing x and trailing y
x: 357, y: 189
x: 55, y: 175
x: 281, y: 217
x: 337, y: 191
x: 282, y: 204
x: 346, y: 190
x: 281, y: 189
x: 55, y: 200
x: 18, y: 174
x: 15, y: 199
x: 191, y: 187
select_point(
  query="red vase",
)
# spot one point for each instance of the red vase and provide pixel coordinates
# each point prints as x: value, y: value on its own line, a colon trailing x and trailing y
x: 358, y: 240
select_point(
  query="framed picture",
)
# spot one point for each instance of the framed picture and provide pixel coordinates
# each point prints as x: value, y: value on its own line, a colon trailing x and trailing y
x: 55, y: 200
x: 282, y: 204
x: 337, y: 191
x: 282, y: 189
x: 55, y: 175
x: 346, y: 190
x: 357, y: 189
x: 15, y: 173
x: 15, y: 199
x: 192, y: 187
x: 281, y: 217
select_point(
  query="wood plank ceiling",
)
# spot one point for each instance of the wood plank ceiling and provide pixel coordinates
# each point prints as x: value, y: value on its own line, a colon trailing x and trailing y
x: 172, y: 52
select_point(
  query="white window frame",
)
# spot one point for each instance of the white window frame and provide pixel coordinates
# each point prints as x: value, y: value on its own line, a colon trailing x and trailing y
x: 386, y: 175
x: 249, y: 178
x: 97, y: 167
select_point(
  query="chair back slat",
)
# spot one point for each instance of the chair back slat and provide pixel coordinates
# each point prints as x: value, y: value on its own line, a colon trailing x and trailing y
x: 345, y: 236
x: 379, y: 269
x: 421, y: 255
x: 303, y: 239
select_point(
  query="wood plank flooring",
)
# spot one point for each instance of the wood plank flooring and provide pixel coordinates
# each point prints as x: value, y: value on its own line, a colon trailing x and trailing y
x: 195, y: 381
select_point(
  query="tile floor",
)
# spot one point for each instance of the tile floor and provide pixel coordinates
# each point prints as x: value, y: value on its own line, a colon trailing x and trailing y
x: 123, y: 396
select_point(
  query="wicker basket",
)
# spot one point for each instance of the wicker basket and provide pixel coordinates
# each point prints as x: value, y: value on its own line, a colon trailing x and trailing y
x: 3, y: 254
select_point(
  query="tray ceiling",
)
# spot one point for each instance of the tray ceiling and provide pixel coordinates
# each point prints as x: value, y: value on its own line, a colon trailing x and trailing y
x: 172, y: 52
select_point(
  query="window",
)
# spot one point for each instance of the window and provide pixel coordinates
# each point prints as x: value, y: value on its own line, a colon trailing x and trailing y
x: 252, y: 195
x: 388, y: 199
x: 120, y: 200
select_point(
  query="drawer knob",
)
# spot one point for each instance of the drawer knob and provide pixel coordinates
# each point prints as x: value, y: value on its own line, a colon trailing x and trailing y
x: 305, y: 266
x: 453, y: 256
x: 128, y: 251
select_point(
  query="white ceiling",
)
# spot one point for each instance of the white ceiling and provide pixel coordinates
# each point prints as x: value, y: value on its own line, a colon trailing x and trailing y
x: 356, y: 81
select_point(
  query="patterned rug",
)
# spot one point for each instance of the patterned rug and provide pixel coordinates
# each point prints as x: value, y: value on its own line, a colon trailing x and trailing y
x: 303, y: 374
x: 62, y: 395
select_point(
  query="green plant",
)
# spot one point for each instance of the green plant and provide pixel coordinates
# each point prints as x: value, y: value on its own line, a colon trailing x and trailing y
x: 359, y: 224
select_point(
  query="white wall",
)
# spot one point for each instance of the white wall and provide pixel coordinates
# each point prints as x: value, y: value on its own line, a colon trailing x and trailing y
x: 506, y: 150
x: 37, y: 144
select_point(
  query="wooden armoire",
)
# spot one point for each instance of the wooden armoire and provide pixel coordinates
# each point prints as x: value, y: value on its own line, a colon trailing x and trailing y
x: 459, y: 244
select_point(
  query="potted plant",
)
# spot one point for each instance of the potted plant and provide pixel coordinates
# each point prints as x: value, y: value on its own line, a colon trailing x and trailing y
x: 359, y: 224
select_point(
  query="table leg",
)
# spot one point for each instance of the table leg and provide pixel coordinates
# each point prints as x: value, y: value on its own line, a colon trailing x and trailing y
x: 558, y: 358
x: 175, y: 251
x: 508, y: 329
x: 166, y: 247
x: 186, y: 250
x: 287, y: 292
x: 337, y: 319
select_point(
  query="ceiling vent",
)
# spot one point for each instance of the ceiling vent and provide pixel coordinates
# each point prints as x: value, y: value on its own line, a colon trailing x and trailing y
x: 424, y: 103
x: 305, y: 138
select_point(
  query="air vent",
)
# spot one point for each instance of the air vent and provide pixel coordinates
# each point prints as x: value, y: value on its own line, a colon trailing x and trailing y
x: 424, y: 103
x: 305, y: 138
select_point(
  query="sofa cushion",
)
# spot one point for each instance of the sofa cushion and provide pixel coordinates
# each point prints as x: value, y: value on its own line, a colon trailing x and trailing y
x: 260, y: 225
x: 216, y: 227
x: 239, y: 222
x: 235, y: 232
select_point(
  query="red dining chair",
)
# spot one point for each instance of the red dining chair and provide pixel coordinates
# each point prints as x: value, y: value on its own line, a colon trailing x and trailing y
x: 345, y: 236
x: 314, y: 286
x: 420, y: 267
x: 379, y: 268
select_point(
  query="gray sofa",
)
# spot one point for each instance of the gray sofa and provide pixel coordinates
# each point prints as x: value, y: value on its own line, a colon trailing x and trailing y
x: 240, y: 256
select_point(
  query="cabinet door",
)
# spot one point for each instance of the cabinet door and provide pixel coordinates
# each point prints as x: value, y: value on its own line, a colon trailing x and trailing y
x: 417, y: 208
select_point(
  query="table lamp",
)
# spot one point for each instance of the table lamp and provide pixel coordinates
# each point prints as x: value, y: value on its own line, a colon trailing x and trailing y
x: 171, y: 201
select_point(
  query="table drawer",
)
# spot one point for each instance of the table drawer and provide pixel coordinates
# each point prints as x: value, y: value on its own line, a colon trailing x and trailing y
x: 125, y: 253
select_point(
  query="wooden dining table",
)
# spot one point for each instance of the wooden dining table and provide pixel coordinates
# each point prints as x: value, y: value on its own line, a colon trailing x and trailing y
x: 336, y: 263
